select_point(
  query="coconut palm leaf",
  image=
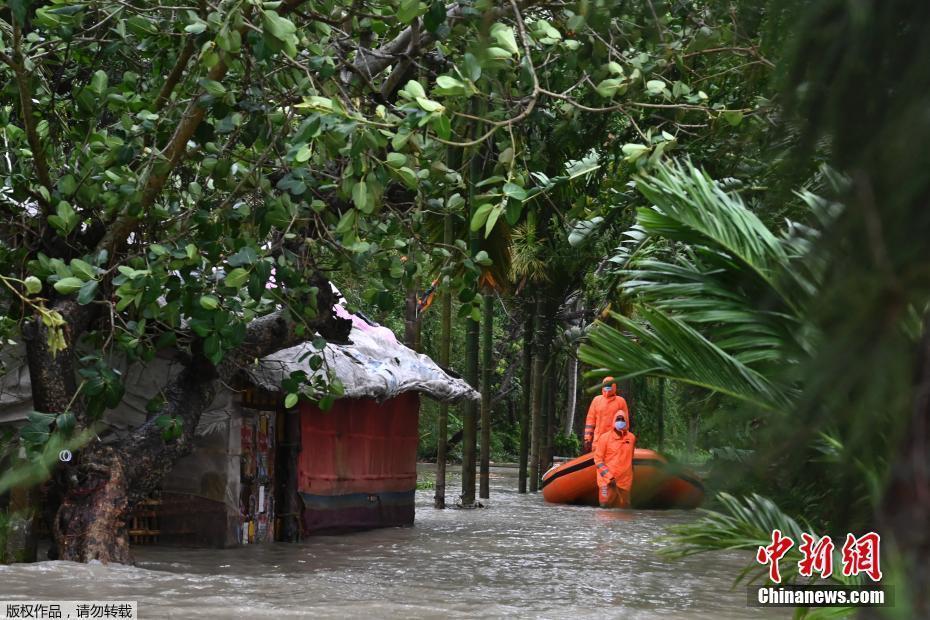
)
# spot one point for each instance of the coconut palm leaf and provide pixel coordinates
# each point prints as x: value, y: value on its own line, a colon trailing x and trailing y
x: 748, y: 523
x: 723, y: 307
x: 690, y: 207
x: 659, y: 345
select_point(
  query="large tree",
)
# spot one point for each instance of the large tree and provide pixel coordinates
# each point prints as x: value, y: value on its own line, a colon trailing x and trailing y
x: 182, y: 178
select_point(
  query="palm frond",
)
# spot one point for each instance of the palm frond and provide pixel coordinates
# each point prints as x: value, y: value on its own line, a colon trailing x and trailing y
x: 660, y: 345
x: 690, y: 207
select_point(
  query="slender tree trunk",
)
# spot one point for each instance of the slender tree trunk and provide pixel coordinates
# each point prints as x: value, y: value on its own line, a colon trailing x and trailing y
x: 411, y: 320
x: 545, y: 422
x: 472, y: 338
x: 445, y: 338
x: 660, y: 413
x: 628, y: 392
x: 550, y: 401
x: 470, y: 421
x: 487, y: 338
x: 292, y: 501
x: 540, y: 351
x: 527, y: 381
x: 570, y: 410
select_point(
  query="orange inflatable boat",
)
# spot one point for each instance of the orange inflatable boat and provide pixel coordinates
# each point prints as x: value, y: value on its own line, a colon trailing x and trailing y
x: 656, y: 483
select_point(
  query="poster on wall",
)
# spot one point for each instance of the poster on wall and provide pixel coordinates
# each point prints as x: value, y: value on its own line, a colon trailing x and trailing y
x: 256, y: 501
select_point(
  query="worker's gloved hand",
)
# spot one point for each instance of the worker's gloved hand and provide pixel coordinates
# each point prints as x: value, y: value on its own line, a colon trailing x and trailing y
x: 587, y: 446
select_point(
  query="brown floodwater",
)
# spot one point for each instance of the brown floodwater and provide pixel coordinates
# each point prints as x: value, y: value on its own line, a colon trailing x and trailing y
x: 517, y: 557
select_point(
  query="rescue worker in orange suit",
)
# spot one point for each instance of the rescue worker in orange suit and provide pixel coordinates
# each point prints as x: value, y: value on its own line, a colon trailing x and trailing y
x: 613, y: 456
x: 601, y: 412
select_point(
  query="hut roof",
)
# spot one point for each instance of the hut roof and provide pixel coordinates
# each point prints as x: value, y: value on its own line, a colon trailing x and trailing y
x: 373, y: 365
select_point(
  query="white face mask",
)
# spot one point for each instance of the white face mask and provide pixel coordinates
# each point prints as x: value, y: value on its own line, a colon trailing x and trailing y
x: 619, y: 425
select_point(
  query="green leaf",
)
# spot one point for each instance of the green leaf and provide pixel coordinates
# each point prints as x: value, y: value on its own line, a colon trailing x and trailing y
x: 360, y: 197
x: 209, y: 302
x: 733, y: 117
x: 634, y: 151
x: 655, y: 87
x: 480, y: 216
x: 19, y: 10
x: 409, y: 177
x: 497, y: 53
x: 64, y: 220
x: 429, y: 105
x: 505, y: 38
x: 212, y: 349
x: 279, y: 27
x: 65, y: 422
x: 213, y: 87
x: 98, y: 83
x: 492, y: 220
x: 408, y: 10
x: 245, y: 256
x: 396, y: 160
x: 483, y: 259
x: 88, y: 292
x: 512, y: 190
x: 449, y: 86
x: 435, y: 16
x: 33, y: 285
x: 346, y: 222
x: 66, y: 286
x: 608, y: 88
x: 303, y: 154
x: 414, y: 89
x: 236, y: 278
x: 83, y: 270
x: 291, y: 400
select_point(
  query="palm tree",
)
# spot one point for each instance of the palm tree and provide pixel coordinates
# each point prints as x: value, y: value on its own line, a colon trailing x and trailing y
x: 726, y: 305
x: 726, y: 310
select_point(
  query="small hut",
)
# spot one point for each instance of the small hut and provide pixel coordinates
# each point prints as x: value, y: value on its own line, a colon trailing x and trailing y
x: 259, y: 472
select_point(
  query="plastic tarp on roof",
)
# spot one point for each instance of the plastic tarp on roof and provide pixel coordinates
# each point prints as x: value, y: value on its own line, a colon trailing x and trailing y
x: 372, y: 366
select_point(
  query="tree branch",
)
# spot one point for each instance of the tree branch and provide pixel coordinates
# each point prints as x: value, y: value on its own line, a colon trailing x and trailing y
x: 17, y: 63
x: 173, y: 153
x: 148, y: 456
x: 175, y: 76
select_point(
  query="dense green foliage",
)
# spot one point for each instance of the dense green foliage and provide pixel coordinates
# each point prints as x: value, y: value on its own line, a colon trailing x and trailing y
x: 654, y: 170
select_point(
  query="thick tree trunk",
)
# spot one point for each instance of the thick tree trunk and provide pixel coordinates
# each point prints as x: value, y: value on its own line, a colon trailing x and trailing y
x: 445, y: 339
x: 109, y: 479
x: 487, y: 344
x: 904, y: 513
x: 91, y: 522
x: 527, y: 382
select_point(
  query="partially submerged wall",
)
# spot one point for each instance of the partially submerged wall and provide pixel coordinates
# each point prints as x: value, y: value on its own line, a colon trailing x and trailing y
x: 357, y: 468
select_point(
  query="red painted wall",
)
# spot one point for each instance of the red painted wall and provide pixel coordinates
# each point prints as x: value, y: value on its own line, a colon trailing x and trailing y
x: 359, y: 446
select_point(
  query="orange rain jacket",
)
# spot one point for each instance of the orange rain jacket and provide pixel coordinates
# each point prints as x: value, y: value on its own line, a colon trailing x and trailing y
x: 613, y: 455
x: 601, y: 415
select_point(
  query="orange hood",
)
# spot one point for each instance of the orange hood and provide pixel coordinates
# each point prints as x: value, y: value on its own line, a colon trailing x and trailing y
x: 621, y: 415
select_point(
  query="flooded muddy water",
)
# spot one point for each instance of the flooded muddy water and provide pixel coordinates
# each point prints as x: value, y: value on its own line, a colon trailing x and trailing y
x: 517, y: 557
